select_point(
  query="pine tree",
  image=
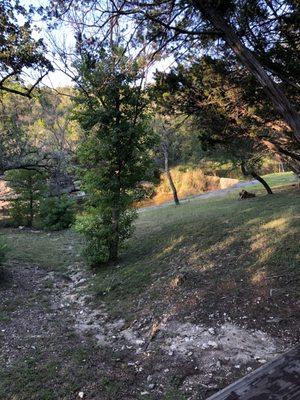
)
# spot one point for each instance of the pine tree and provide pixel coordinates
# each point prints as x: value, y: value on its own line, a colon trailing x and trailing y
x: 114, y: 154
x: 29, y: 186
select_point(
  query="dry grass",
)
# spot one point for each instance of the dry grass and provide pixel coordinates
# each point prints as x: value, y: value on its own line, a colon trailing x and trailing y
x: 187, y: 183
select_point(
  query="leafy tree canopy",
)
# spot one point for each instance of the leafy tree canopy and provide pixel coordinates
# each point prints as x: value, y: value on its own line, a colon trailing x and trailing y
x: 20, y: 53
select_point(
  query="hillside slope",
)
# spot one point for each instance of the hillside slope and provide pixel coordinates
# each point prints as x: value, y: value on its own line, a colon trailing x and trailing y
x: 203, y: 294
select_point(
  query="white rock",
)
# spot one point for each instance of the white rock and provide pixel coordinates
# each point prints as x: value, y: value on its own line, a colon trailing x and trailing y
x: 211, y: 331
x: 80, y: 395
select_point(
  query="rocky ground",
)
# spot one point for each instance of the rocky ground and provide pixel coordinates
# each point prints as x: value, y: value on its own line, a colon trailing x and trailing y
x: 56, y: 345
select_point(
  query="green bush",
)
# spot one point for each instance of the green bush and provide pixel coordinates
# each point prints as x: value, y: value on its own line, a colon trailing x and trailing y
x: 98, y: 234
x: 57, y: 213
x: 17, y: 213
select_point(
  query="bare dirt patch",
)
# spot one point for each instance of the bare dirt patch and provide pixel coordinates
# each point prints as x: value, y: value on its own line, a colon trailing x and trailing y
x: 55, y: 344
x: 45, y: 353
x: 193, y: 359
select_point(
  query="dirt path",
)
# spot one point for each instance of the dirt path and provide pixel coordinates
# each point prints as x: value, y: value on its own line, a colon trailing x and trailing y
x: 56, y: 345
x: 44, y: 354
x: 211, y: 194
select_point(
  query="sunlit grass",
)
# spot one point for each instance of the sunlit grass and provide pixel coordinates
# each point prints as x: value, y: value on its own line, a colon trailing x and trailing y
x: 212, y: 239
x: 276, y: 179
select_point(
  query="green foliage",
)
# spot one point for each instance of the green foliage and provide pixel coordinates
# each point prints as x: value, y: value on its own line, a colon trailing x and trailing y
x: 29, y: 186
x: 39, y: 131
x: 57, y: 213
x: 16, y: 212
x: 229, y: 124
x: 99, y: 232
x: 15, y: 147
x: 19, y: 51
x: 114, y: 153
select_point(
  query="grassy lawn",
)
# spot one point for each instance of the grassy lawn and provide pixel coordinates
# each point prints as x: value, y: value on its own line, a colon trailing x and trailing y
x: 276, y: 179
x: 228, y: 252
x: 52, y: 251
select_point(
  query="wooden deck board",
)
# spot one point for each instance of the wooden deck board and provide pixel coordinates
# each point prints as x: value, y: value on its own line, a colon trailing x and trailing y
x: 277, y: 380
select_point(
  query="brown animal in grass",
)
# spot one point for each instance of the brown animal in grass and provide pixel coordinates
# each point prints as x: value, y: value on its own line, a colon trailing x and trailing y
x: 246, y: 195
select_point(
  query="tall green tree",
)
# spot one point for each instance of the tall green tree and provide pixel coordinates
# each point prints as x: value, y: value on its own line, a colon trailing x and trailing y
x: 29, y: 187
x: 259, y: 37
x: 114, y: 153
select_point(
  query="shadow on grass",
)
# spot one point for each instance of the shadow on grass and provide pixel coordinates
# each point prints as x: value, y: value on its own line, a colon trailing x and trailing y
x: 237, y: 258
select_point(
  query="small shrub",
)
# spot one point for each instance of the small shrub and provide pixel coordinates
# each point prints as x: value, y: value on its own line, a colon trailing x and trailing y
x: 98, y: 235
x: 57, y: 213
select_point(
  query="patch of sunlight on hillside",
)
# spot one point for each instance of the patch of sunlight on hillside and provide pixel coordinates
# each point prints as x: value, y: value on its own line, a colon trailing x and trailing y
x: 173, y: 245
x: 258, y: 276
x: 278, y: 224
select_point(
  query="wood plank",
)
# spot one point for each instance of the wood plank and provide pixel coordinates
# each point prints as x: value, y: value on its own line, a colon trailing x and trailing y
x: 277, y: 380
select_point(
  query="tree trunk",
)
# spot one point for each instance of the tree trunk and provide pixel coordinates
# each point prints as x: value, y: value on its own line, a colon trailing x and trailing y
x: 113, y: 250
x: 115, y: 213
x: 114, y: 242
x: 247, y: 58
x: 262, y: 181
x: 169, y: 176
x: 257, y: 177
